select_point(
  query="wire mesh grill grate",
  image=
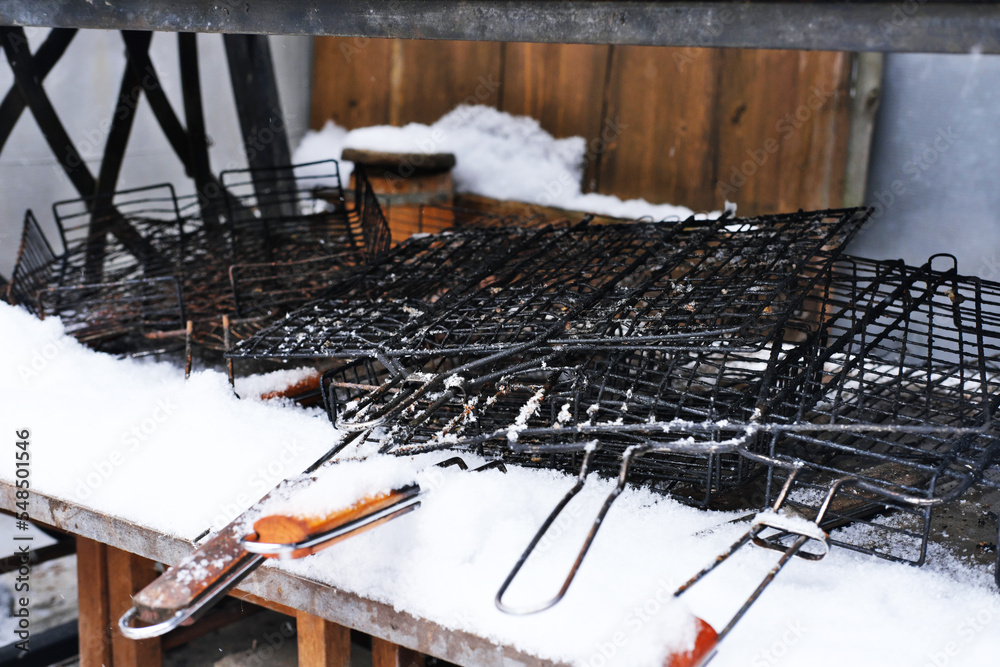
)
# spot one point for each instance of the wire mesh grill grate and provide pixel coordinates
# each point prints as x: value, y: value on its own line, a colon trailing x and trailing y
x: 483, y: 291
x: 133, y: 263
x: 886, y: 373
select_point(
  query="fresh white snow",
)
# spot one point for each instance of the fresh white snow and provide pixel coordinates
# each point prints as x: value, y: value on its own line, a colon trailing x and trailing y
x: 190, y: 452
x: 497, y: 155
x: 133, y: 439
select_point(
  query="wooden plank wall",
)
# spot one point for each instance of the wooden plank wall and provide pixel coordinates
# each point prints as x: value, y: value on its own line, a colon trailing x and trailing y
x: 767, y: 129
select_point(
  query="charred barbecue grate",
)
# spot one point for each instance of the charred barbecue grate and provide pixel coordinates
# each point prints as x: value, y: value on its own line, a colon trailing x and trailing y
x: 33, y: 267
x: 905, y: 365
x: 137, y: 314
x: 386, y: 296
x: 290, y: 213
x: 437, y: 217
x: 873, y: 405
x: 114, y: 283
x: 263, y: 291
x: 719, y: 283
x: 134, y: 268
x: 886, y: 368
x: 883, y: 411
x: 127, y: 235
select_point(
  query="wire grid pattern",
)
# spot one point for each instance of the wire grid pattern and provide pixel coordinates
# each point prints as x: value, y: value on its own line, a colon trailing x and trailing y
x: 106, y: 312
x: 904, y: 368
x: 436, y: 216
x: 128, y: 235
x: 33, y: 266
x: 912, y: 350
x: 879, y: 375
x: 385, y: 297
x: 289, y: 213
x: 133, y: 263
x: 694, y: 284
x: 115, y: 279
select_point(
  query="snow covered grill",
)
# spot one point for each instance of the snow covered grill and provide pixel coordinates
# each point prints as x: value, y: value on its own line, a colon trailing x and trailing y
x: 719, y: 283
x: 905, y: 366
x: 880, y: 392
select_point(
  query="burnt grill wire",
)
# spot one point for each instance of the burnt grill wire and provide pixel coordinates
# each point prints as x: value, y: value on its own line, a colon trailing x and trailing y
x: 385, y: 296
x: 288, y: 213
x: 884, y: 368
x: 883, y: 402
x: 261, y: 289
x: 720, y: 283
x: 433, y: 218
x: 345, y: 386
x: 261, y: 292
x: 141, y: 241
x: 114, y: 283
x: 545, y: 410
x: 374, y: 227
x: 33, y: 266
x: 913, y: 350
x: 115, y: 276
x: 104, y: 313
x: 128, y: 235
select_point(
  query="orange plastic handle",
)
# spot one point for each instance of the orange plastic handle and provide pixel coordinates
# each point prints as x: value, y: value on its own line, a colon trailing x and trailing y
x: 704, y: 642
x: 287, y: 529
x: 303, y: 386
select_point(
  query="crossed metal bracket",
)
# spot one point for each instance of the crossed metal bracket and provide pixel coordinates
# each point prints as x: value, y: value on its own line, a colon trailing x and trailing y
x: 257, y: 102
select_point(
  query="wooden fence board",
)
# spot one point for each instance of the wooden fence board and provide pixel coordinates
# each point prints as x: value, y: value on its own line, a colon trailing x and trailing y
x: 351, y: 81
x: 765, y: 128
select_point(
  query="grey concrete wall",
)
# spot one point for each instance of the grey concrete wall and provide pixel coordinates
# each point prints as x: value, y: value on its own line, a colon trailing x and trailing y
x: 83, y: 87
x: 935, y: 168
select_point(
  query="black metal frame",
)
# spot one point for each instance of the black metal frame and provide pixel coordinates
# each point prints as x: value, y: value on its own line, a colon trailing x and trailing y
x: 255, y: 91
x: 881, y: 25
x: 126, y: 297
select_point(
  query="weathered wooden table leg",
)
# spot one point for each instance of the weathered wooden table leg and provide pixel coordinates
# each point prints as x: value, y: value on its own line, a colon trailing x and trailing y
x: 387, y: 654
x: 322, y: 643
x: 95, y: 618
x: 127, y: 575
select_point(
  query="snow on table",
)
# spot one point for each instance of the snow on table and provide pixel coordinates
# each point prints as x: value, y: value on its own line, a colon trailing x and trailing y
x: 131, y: 438
x: 200, y: 453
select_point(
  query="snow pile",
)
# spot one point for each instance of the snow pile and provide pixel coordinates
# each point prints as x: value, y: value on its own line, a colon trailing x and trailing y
x: 446, y: 560
x: 131, y: 438
x: 498, y: 155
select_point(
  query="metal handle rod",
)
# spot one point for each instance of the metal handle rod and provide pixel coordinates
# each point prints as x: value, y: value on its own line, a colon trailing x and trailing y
x: 285, y: 550
x: 630, y: 455
x: 404, y: 505
x: 222, y: 586
x: 787, y: 552
x: 787, y: 556
x: 532, y: 609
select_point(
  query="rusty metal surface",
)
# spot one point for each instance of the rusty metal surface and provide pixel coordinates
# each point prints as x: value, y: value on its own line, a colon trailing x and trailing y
x: 945, y: 27
x: 270, y: 583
